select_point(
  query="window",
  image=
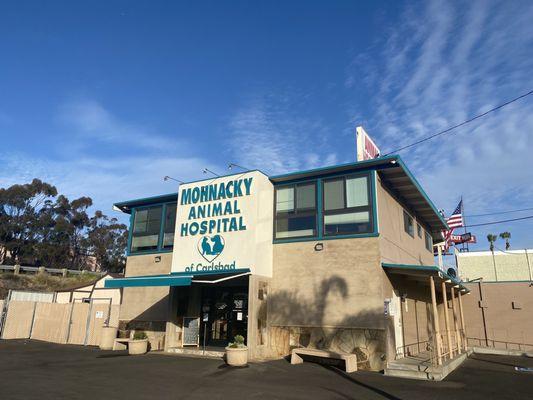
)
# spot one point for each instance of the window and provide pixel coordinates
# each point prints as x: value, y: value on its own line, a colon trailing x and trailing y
x: 295, y: 211
x: 146, y: 228
x: 170, y: 226
x: 347, y: 208
x: 408, y: 224
x: 429, y: 242
x: 419, y: 230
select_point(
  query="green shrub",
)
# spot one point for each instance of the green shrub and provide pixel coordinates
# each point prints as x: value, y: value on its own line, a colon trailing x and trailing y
x: 238, y: 342
x: 140, y: 335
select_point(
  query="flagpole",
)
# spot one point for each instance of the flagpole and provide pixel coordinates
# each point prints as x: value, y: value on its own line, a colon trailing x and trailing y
x: 464, y: 221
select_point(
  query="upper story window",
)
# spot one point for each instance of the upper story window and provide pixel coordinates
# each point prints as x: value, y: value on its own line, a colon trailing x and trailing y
x: 419, y: 230
x: 408, y: 224
x: 428, y: 242
x: 295, y: 211
x: 170, y: 226
x: 146, y: 228
x: 347, y: 206
x: 153, y: 228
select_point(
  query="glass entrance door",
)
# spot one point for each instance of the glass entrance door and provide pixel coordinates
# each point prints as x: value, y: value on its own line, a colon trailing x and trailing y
x: 224, y: 314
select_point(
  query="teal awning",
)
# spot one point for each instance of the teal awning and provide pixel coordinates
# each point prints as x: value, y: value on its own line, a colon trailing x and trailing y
x: 422, y: 271
x: 173, y: 279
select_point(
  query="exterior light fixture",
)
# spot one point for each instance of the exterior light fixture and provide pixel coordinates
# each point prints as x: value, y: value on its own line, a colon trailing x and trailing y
x: 206, y: 170
x: 231, y: 165
x: 319, y: 246
x: 167, y: 178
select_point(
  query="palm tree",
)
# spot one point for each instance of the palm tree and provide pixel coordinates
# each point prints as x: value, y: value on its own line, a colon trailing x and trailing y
x: 506, y: 235
x: 492, y: 238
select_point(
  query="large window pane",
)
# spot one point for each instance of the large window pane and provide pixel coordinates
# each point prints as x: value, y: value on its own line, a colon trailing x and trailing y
x: 334, y: 195
x: 356, y: 192
x: 146, y: 228
x: 305, y: 196
x: 285, y: 199
x: 408, y: 224
x: 295, y: 226
x: 354, y: 222
x: 170, y: 225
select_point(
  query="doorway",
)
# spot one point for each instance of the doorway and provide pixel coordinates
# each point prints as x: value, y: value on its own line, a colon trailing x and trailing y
x: 224, y: 314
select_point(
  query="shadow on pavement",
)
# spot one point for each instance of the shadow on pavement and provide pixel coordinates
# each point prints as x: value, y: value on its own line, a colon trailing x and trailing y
x: 364, y: 385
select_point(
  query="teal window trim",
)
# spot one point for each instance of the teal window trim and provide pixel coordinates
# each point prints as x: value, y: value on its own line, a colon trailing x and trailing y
x: 160, y: 248
x: 372, y: 176
x: 294, y: 186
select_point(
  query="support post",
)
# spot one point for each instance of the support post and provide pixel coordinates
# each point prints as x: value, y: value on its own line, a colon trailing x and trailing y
x: 435, y: 320
x: 446, y: 320
x: 465, y: 342
x: 456, y: 321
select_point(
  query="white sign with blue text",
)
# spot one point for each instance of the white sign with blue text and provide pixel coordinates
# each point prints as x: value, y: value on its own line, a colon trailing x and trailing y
x: 224, y: 224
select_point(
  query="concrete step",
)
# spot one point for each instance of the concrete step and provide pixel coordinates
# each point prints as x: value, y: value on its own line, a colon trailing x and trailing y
x: 197, y: 352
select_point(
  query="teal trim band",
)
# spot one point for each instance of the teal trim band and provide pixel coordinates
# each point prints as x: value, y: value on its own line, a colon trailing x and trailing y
x: 146, y: 201
x: 235, y: 271
x: 317, y: 239
x: 172, y: 279
x: 432, y: 268
x: 148, y: 252
x: 130, y: 232
x: 484, y: 281
x: 319, y: 213
x: 415, y: 182
x: 148, y: 281
x: 373, y: 182
x: 359, y: 164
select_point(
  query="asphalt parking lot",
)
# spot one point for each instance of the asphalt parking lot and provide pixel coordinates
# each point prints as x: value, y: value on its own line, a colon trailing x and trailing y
x: 38, y: 370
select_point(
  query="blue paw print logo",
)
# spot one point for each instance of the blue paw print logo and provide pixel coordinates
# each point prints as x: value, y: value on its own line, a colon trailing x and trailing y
x: 210, y: 247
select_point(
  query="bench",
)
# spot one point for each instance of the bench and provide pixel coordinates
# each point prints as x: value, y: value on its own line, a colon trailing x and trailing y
x: 350, y: 360
x: 121, y: 343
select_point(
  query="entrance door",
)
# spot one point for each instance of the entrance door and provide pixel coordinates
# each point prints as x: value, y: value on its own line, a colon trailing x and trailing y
x: 226, y: 309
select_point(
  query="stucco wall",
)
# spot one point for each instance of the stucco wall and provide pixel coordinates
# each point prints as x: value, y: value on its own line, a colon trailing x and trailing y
x: 338, y: 286
x: 396, y: 245
x: 508, y: 266
x: 503, y: 321
x: 146, y: 303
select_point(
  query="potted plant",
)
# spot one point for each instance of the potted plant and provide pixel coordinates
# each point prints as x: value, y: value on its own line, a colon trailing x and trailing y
x: 138, y: 344
x: 107, y: 340
x: 237, y: 352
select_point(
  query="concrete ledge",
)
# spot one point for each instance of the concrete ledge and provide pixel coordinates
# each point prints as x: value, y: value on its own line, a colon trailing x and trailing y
x: 406, y: 368
x: 502, y: 352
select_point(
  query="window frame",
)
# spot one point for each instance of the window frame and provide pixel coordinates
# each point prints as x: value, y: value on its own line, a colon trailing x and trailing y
x: 405, y: 213
x: 419, y: 229
x: 430, y: 242
x: 348, y: 210
x: 308, y: 210
x: 160, y: 248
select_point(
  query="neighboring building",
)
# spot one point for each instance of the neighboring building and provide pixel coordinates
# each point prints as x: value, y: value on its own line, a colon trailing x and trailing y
x: 337, y: 258
x: 96, y: 291
x: 502, y: 266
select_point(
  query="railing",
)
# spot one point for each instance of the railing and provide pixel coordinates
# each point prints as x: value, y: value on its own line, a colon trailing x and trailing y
x: 36, y: 270
x: 412, y: 349
x: 502, y: 344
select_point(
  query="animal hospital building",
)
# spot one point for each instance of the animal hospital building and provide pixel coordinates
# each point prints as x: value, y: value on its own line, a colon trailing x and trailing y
x: 337, y: 258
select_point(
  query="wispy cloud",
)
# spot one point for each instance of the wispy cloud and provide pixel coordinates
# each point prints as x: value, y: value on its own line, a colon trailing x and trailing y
x: 133, y: 165
x: 441, y: 64
x: 270, y: 134
x: 89, y: 121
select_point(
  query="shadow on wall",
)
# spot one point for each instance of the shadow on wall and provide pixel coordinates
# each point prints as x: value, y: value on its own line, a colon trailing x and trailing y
x: 297, y: 322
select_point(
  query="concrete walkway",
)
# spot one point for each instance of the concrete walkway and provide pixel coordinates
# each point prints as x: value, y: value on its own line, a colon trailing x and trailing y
x: 38, y: 370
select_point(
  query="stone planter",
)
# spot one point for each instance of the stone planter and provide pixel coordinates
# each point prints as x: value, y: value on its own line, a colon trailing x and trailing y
x: 137, y: 346
x: 237, y: 356
x: 107, y: 340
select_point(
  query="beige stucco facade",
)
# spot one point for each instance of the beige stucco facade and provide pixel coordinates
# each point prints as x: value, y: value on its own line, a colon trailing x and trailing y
x: 512, y: 265
x: 329, y: 293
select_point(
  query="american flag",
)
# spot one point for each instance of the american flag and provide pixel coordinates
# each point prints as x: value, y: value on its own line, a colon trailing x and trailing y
x: 455, y: 221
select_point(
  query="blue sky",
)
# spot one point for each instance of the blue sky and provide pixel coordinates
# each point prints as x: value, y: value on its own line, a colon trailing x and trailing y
x: 105, y: 98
